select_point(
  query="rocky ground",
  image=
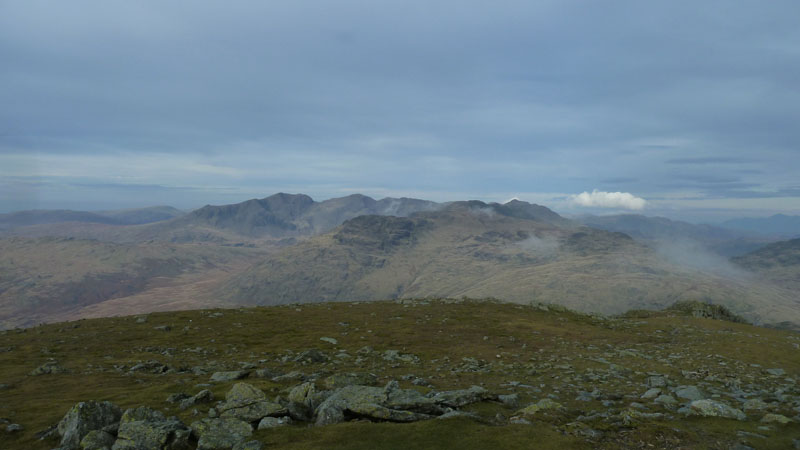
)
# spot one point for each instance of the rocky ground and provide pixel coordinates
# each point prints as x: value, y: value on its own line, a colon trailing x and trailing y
x: 406, y: 374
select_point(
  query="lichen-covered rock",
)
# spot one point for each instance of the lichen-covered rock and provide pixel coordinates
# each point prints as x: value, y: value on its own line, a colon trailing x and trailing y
x: 220, y: 433
x: 83, y: 418
x: 776, y: 418
x: 97, y: 440
x: 462, y: 397
x: 246, y: 402
x: 389, y: 403
x: 301, y: 401
x: 143, y: 427
x: 542, y: 405
x: 754, y: 404
x: 712, y: 408
x: 244, y: 393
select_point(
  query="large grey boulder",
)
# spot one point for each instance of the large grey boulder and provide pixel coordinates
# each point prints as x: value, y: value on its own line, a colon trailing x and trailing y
x: 246, y: 402
x: 143, y: 427
x: 203, y: 396
x: 83, y: 418
x: 462, y: 397
x: 690, y: 393
x: 390, y: 403
x: 220, y: 433
x: 301, y: 401
x: 712, y: 408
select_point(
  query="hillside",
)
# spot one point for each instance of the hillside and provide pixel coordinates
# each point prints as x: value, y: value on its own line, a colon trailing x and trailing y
x: 778, y: 263
x: 479, y: 250
x: 496, y: 375
x: 48, y: 279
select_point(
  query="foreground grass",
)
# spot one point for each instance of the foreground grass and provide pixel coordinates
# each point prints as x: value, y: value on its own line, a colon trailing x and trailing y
x: 555, y: 353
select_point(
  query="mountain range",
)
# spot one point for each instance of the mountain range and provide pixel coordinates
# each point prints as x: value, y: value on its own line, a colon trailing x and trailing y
x: 289, y: 248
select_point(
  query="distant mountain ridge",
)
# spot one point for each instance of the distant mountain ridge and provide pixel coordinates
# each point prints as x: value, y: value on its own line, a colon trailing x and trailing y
x: 135, y: 216
x: 723, y: 241
x: 778, y: 224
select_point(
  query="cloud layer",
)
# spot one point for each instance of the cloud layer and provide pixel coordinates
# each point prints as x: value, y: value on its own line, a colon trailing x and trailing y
x: 224, y: 101
x: 617, y: 200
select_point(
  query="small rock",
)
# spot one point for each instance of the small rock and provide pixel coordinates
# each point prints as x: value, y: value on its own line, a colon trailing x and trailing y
x: 229, y: 376
x: 203, y: 396
x: 273, y: 422
x: 50, y: 367
x: 511, y: 400
x: 249, y: 445
x: 665, y: 400
x: 651, y: 393
x: 542, y: 405
x: 14, y: 428
x: 754, y: 404
x: 329, y: 340
x: 656, y: 381
x: 776, y: 372
x: 775, y: 418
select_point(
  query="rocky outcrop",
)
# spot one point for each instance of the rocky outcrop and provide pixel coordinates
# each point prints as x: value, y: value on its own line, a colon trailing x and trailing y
x: 146, y: 428
x: 220, y: 433
x: 83, y: 418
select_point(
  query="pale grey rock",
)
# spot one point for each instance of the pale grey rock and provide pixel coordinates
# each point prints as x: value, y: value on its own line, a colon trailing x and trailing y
x: 83, y: 418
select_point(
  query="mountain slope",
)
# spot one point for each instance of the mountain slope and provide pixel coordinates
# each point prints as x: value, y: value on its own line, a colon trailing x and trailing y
x: 478, y: 250
x: 46, y: 279
x: 114, y: 217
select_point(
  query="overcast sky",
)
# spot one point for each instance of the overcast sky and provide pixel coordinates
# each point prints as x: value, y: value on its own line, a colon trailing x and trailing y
x: 683, y: 108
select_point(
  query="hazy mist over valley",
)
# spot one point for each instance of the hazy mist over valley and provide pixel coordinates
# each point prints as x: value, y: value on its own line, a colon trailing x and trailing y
x: 397, y: 225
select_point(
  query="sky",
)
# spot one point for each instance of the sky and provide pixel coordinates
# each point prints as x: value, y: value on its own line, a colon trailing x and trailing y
x: 683, y: 109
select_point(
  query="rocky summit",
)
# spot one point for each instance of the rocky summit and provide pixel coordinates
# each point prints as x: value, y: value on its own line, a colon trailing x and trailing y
x: 426, y: 373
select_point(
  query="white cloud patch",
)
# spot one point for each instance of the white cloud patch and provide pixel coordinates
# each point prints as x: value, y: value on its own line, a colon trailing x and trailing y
x: 601, y: 199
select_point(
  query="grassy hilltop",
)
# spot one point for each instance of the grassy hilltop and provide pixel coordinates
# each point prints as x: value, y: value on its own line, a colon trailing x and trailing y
x: 591, y: 370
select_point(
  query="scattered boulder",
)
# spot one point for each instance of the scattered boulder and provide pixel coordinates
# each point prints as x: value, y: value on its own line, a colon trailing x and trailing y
x: 274, y: 422
x: 329, y: 340
x: 14, y: 428
x: 651, y: 393
x: 690, y: 393
x: 340, y: 380
x: 776, y: 372
x: 311, y: 356
x: 83, y: 418
x: 544, y: 404
x: 754, y: 404
x: 301, y: 401
x: 390, y: 403
x: 246, y: 402
x: 143, y: 427
x: 229, y: 376
x: 713, y: 408
x: 511, y: 400
x: 220, y: 433
x: 48, y: 368
x: 459, y: 398
x: 666, y: 400
x: 203, y: 396
x: 776, y: 418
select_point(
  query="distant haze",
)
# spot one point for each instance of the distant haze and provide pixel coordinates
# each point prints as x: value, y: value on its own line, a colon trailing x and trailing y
x: 681, y: 109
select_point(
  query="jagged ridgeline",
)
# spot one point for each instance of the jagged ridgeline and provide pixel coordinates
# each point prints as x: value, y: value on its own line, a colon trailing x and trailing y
x: 472, y: 374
